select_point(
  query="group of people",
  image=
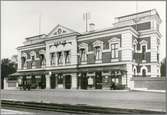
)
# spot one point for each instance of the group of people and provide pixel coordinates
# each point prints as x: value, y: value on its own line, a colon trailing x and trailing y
x: 24, y: 84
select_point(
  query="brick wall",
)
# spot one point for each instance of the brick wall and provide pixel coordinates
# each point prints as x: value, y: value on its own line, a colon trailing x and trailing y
x: 138, y: 57
x: 142, y: 26
x: 91, y: 59
x: 106, y: 57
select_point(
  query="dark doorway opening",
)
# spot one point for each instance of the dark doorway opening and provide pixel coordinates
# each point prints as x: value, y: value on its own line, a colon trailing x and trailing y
x: 43, y: 82
x: 68, y: 81
x: 98, y: 80
x: 84, y: 81
x: 53, y: 81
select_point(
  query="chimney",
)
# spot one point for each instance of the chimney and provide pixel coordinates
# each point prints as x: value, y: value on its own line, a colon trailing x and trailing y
x: 91, y: 27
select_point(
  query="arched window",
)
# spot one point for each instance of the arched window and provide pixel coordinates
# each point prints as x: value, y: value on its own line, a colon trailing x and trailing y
x: 23, y: 60
x: 42, y: 60
x: 144, y: 72
x: 52, y: 58
x: 42, y: 57
x: 67, y: 57
x: 60, y: 58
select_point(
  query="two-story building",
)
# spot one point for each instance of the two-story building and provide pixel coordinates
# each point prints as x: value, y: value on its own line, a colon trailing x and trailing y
x: 96, y: 59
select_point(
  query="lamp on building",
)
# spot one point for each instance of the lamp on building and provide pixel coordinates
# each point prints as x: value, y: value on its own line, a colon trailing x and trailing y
x: 50, y: 73
x: 79, y: 74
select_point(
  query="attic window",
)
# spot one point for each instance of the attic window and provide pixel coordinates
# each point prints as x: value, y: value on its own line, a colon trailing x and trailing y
x: 59, y: 31
x: 55, y: 33
x: 64, y: 31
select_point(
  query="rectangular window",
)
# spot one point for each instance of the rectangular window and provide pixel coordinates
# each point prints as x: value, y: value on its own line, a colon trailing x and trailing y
x: 52, y: 60
x: 33, y: 62
x: 83, y: 55
x: 143, y: 52
x: 60, y: 58
x: 60, y: 79
x: 158, y: 58
x: 142, y: 26
x: 98, y: 53
x: 114, y: 50
x: 67, y: 57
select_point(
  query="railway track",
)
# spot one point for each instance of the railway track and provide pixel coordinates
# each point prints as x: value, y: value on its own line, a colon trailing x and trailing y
x: 66, y: 108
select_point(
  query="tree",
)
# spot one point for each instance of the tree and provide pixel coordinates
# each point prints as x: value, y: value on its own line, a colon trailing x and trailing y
x: 7, y: 67
x: 163, y: 67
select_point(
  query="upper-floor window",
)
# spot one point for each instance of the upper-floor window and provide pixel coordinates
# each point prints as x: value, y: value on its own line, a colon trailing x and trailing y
x: 42, y: 60
x: 98, y: 52
x: 52, y: 61
x: 67, y: 57
x: 83, y: 49
x: 33, y: 61
x: 114, y: 50
x: 143, y: 52
x: 83, y: 55
x: 60, y: 57
x: 23, y: 62
x: 114, y: 45
x: 98, y: 46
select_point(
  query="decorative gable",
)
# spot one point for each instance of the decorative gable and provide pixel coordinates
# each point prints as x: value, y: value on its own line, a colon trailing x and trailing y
x: 97, y: 43
x: 60, y: 30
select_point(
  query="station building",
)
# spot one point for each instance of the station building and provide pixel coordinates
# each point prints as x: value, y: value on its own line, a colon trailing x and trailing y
x: 67, y: 59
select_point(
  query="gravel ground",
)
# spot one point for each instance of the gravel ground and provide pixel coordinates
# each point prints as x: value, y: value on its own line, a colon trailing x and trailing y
x: 116, y: 99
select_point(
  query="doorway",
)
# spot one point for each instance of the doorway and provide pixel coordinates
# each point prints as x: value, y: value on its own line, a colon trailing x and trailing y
x: 68, y: 81
x: 53, y: 81
x: 98, y: 80
x: 84, y: 81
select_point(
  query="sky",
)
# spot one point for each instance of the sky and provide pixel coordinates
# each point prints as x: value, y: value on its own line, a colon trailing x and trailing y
x: 21, y: 19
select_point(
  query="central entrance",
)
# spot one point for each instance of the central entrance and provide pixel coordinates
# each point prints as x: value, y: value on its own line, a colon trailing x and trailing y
x: 67, y: 81
x: 84, y: 81
x: 98, y: 80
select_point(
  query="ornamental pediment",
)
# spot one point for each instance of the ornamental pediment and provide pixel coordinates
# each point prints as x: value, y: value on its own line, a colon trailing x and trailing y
x: 60, y: 30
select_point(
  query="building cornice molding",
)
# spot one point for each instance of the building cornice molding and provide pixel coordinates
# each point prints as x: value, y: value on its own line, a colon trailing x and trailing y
x: 34, y: 46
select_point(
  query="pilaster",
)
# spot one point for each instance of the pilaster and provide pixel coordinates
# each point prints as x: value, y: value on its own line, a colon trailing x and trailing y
x: 48, y: 81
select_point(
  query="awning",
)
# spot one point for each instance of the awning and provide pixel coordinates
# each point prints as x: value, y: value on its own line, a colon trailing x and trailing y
x: 16, y: 74
x: 121, y: 68
x: 28, y: 73
x: 73, y: 70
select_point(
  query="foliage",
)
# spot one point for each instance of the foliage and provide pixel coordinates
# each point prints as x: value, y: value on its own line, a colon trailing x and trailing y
x: 7, y: 67
x: 163, y: 67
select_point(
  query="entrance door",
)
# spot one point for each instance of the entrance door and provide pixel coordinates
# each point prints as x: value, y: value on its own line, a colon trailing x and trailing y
x: 43, y: 82
x: 68, y: 81
x: 53, y: 81
x: 98, y: 80
x: 84, y: 81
